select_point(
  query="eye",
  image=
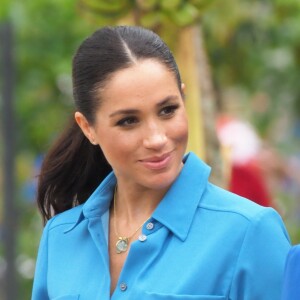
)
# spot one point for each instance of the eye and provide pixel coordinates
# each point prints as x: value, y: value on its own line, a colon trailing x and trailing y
x: 127, y: 122
x: 169, y: 110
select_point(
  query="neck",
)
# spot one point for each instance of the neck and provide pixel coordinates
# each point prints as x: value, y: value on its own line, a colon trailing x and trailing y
x: 136, y: 204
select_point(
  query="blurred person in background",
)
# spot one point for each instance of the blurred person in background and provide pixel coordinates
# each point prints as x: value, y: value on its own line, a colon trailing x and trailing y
x: 129, y: 214
x: 242, y: 151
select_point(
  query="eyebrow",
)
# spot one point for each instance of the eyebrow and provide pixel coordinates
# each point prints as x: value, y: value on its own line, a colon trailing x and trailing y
x: 134, y: 111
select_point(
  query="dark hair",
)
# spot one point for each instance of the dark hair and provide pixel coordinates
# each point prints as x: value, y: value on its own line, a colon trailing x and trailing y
x: 74, y: 167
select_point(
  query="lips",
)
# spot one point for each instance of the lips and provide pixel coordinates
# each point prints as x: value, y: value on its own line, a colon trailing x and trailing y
x: 157, y: 162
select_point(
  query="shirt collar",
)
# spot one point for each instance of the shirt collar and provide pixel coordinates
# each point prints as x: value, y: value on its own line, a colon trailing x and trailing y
x: 177, y: 209
x: 98, y: 203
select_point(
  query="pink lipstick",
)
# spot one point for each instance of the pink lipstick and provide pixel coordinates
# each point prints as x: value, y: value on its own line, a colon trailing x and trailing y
x: 157, y: 162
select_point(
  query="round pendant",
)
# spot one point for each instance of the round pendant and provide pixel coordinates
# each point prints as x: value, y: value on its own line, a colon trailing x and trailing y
x: 122, y: 245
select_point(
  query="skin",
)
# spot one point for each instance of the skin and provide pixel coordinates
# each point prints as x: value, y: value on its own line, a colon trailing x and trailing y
x: 142, y: 129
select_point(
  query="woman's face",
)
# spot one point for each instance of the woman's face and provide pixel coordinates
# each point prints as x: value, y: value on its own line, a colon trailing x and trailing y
x: 141, y: 125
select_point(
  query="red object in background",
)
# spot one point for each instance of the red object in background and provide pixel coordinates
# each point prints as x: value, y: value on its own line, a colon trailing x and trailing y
x: 243, y: 146
x: 247, y: 181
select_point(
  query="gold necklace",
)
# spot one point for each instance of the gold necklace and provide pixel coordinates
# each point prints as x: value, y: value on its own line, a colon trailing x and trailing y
x: 123, y: 241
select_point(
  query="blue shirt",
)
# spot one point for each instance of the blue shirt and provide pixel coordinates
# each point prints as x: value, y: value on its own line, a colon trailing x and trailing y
x: 291, y: 285
x: 203, y: 243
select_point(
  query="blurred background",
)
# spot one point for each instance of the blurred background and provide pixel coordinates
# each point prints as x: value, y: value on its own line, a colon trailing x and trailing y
x: 239, y: 59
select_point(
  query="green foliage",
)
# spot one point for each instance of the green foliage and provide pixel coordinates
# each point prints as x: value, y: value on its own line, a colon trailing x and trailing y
x: 147, y: 5
x: 46, y: 35
x: 184, y: 15
x: 150, y: 13
x: 254, y: 46
x: 107, y: 12
x: 170, y: 5
x: 4, y: 10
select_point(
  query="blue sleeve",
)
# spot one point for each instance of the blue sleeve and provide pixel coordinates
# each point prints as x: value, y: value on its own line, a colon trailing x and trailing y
x: 291, y: 284
x: 260, y: 267
x: 39, y: 291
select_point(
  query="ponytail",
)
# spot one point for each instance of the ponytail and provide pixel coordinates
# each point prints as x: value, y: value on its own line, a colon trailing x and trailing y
x: 71, y: 171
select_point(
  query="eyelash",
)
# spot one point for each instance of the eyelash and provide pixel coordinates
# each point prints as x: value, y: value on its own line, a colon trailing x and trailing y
x: 166, y: 112
x: 171, y: 109
x: 127, y: 122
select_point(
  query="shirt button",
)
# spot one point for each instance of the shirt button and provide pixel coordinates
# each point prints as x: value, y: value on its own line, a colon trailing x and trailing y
x: 123, y: 286
x: 150, y: 226
x: 142, y: 238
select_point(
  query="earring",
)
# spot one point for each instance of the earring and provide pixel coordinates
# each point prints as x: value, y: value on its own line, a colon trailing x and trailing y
x: 93, y: 141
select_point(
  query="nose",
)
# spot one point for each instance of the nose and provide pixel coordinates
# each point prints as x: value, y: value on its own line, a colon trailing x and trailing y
x: 155, y: 137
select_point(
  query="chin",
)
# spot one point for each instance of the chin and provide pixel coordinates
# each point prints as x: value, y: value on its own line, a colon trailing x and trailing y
x: 161, y: 181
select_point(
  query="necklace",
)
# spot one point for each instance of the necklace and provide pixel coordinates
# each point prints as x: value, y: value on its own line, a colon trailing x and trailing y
x: 123, y: 241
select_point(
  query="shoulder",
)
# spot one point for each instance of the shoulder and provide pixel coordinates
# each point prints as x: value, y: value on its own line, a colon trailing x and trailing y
x: 291, y: 288
x: 223, y: 205
x: 292, y: 267
x: 294, y: 254
x: 221, y: 200
x: 68, y: 218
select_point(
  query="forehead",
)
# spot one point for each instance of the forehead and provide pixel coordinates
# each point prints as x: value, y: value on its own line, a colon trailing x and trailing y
x: 149, y: 68
x: 144, y: 80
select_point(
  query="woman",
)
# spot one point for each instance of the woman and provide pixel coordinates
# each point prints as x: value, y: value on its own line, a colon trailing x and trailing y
x: 153, y: 228
x: 291, y: 286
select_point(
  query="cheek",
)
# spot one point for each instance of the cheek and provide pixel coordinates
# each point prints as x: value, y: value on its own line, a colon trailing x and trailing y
x: 117, y: 147
x: 180, y: 132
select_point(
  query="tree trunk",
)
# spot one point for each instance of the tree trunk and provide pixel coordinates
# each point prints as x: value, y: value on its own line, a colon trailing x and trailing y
x: 195, y: 70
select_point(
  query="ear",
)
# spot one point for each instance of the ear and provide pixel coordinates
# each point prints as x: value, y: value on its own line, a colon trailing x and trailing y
x: 182, y: 87
x: 183, y: 91
x: 85, y: 126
